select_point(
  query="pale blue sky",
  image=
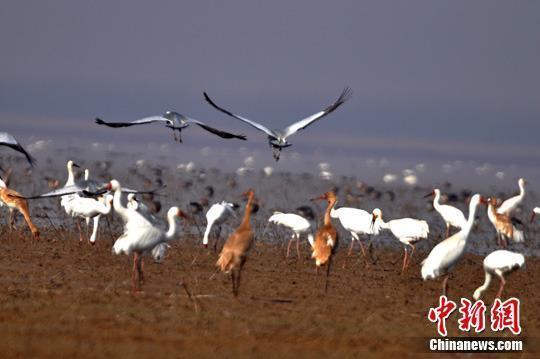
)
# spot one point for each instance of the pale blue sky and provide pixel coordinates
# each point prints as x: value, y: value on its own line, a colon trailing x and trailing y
x: 447, y: 78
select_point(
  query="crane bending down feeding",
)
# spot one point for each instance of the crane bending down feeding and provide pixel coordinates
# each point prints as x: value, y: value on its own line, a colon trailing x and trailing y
x: 140, y: 236
x: 233, y: 256
x: 297, y: 224
x: 452, y: 216
x: 277, y: 139
x: 14, y: 201
x: 216, y: 215
x: 176, y: 122
x: 326, y: 238
x: 445, y: 255
x: 503, y: 225
x: 7, y: 139
x: 407, y: 230
x: 357, y: 222
x: 499, y: 263
x: 509, y: 206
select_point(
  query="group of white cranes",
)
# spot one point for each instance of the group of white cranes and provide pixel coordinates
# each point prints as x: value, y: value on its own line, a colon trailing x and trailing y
x: 141, y: 235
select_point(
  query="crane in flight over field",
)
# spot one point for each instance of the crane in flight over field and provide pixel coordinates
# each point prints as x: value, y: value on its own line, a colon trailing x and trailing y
x: 176, y: 122
x: 277, y: 139
x: 7, y: 139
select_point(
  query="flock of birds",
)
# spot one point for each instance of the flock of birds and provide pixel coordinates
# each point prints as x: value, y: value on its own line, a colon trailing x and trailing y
x: 89, y: 200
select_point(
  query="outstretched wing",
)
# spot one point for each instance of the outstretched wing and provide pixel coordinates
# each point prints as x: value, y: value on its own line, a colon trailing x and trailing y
x: 142, y: 121
x: 215, y: 131
x: 258, y: 126
x: 300, y: 125
x: 6, y: 139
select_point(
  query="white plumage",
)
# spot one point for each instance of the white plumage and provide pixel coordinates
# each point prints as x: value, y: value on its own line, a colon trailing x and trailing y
x: 217, y: 214
x: 444, y: 256
x: 297, y: 224
x: 510, y: 205
x: 277, y: 139
x: 357, y: 222
x: 499, y: 263
x: 140, y: 235
x: 407, y: 230
x: 452, y: 216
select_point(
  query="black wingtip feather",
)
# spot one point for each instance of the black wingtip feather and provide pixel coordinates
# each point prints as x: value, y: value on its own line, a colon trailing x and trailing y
x: 99, y: 121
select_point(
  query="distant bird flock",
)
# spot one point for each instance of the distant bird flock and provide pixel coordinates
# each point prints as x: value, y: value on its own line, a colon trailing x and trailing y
x: 89, y: 200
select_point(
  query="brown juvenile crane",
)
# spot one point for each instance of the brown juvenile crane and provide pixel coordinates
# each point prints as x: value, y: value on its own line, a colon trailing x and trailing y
x: 503, y: 225
x: 14, y: 200
x: 326, y: 238
x: 234, y: 253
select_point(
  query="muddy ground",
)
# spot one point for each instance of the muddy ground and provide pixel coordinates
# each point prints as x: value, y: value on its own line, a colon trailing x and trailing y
x: 62, y: 298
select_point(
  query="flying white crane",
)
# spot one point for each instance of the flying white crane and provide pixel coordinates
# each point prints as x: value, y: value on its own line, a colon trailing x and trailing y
x: 7, y: 139
x: 176, y: 122
x: 357, y: 222
x: 216, y: 215
x: 277, y: 139
x: 452, y: 216
x: 499, y: 263
x: 297, y: 224
x: 407, y: 230
x: 140, y: 236
x: 510, y: 205
x: 445, y: 255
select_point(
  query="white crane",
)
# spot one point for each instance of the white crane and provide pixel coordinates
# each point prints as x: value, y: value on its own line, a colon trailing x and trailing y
x: 176, y: 122
x: 445, y: 255
x: 139, y: 206
x: 277, y: 139
x: 7, y: 139
x: 297, y: 224
x: 510, y: 205
x: 499, y: 263
x: 357, y: 222
x: 216, y: 215
x: 407, y: 230
x: 140, y: 236
x: 452, y: 216
x: 90, y: 208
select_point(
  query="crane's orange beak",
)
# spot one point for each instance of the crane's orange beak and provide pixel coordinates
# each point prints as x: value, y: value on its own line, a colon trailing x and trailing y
x: 324, y: 196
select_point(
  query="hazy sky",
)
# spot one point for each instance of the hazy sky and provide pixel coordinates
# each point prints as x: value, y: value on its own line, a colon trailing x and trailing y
x: 443, y: 77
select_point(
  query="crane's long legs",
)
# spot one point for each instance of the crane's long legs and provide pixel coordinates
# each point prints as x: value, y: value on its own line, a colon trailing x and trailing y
x: 445, y: 284
x: 410, y: 256
x: 289, y: 246
x: 501, y: 287
x: 350, y: 247
x: 298, y: 246
x: 405, y: 256
x: 327, y: 274
x: 134, y: 279
x: 447, y: 231
x: 79, y: 227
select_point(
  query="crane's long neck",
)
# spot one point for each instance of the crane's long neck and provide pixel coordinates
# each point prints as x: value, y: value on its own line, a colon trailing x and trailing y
x: 470, y: 220
x: 483, y: 287
x: 71, y: 177
x: 492, y: 213
x: 117, y: 202
x: 521, y: 190
x: 436, y: 201
x: 247, y: 214
x: 171, y: 232
x: 327, y: 213
x: 333, y: 211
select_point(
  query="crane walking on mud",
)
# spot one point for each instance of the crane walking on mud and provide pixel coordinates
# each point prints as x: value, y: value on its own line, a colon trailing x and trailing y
x: 326, y: 238
x: 234, y: 253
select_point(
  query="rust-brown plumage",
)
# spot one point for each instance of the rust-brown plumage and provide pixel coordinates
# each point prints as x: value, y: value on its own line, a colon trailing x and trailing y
x: 326, y: 237
x: 502, y: 222
x: 234, y: 253
x: 14, y: 200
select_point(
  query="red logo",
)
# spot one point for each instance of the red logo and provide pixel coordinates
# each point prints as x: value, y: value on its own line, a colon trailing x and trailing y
x: 505, y: 315
x: 472, y: 315
x: 441, y: 313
